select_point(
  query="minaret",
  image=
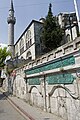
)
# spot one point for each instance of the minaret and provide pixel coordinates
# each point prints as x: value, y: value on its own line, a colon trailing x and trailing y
x: 11, y: 22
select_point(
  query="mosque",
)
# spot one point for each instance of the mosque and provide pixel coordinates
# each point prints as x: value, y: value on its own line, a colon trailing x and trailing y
x: 50, y: 81
x: 28, y: 45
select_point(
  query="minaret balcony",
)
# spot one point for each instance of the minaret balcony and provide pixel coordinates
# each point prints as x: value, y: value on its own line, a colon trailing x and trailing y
x: 11, y: 20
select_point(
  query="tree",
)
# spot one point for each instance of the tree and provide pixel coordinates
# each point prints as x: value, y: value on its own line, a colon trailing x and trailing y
x: 3, y: 54
x: 52, y: 33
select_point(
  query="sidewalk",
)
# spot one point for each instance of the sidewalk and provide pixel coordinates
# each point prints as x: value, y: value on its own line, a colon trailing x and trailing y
x: 30, y: 112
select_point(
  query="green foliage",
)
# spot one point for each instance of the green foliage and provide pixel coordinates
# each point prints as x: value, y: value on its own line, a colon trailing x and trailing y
x: 52, y: 33
x: 3, y: 54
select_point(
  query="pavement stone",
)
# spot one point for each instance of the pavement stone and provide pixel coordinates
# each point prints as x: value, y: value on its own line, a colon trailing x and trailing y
x: 31, y: 112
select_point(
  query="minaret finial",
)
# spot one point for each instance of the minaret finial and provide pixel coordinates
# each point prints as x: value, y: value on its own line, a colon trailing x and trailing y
x: 12, y: 8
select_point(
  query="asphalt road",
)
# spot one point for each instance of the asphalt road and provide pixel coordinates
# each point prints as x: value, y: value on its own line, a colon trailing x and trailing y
x: 7, y: 111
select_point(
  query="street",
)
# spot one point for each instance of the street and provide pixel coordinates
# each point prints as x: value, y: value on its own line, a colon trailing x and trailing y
x: 7, y: 112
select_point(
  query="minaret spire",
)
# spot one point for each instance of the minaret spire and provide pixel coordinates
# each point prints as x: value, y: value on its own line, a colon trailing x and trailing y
x: 12, y: 8
x: 11, y: 20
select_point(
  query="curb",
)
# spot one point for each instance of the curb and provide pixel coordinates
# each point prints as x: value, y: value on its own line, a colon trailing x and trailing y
x: 19, y: 109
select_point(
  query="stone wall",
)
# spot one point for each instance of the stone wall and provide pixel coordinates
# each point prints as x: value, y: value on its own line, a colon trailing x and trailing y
x: 52, y: 81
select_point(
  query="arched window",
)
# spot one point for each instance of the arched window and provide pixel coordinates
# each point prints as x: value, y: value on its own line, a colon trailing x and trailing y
x: 16, y: 50
x: 28, y: 56
x: 21, y: 45
x: 30, y: 42
x: 28, y: 39
x: 67, y: 38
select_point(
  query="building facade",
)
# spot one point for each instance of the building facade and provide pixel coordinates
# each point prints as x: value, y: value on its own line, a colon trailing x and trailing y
x: 28, y: 45
x: 68, y: 22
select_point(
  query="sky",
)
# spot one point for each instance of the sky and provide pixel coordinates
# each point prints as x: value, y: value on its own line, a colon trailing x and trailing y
x: 28, y: 10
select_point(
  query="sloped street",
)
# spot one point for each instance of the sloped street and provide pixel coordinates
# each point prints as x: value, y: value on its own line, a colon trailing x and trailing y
x: 9, y: 109
x: 7, y: 112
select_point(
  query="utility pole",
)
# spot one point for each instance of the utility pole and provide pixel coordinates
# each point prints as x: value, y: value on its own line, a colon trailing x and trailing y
x: 77, y: 13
